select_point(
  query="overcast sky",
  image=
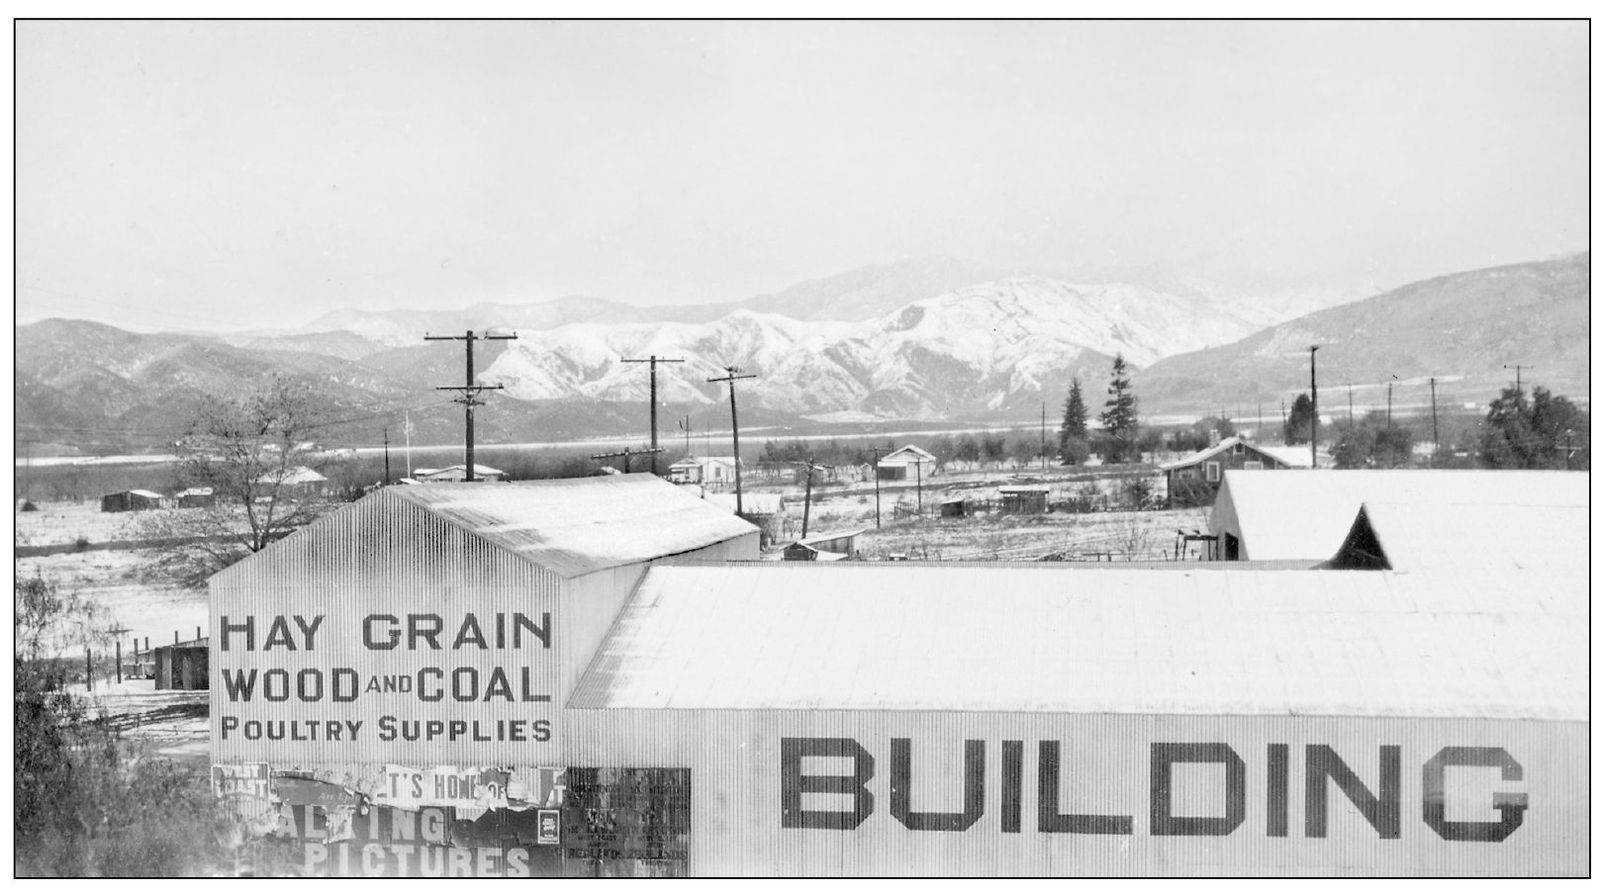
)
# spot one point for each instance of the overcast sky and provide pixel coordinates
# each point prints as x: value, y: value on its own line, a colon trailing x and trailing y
x: 227, y: 175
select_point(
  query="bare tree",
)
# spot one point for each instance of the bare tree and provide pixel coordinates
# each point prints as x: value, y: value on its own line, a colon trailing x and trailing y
x: 256, y: 455
x: 1131, y: 535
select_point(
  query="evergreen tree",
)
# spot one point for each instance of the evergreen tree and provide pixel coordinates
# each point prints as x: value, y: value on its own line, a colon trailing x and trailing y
x: 1075, y: 426
x: 1298, y: 429
x: 1121, y: 418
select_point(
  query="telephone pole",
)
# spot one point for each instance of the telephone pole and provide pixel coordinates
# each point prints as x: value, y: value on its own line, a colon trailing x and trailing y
x: 1350, y: 406
x: 1436, y: 416
x: 386, y: 456
x: 1313, y: 350
x: 653, y: 359
x: 1389, y: 403
x: 875, y: 450
x: 684, y: 426
x: 806, y: 513
x: 733, y: 411
x: 1042, y: 436
x: 469, y: 392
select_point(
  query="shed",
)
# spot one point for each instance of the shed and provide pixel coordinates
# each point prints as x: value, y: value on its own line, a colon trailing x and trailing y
x: 1024, y: 499
x: 824, y: 546
x: 130, y: 499
x: 197, y: 497
x: 894, y: 466
x: 1114, y: 692
x: 953, y: 507
x: 183, y: 665
x: 445, y: 602
x: 1264, y: 515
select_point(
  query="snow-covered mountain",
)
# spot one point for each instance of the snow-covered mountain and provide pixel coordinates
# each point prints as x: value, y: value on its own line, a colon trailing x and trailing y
x: 977, y: 349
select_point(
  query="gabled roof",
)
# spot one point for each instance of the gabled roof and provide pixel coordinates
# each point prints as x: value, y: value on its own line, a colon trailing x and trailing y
x: 1455, y: 537
x: 1041, y: 638
x: 1295, y: 456
x: 292, y: 476
x: 821, y: 537
x: 577, y: 526
x: 908, y: 454
x: 478, y: 470
x: 1299, y: 516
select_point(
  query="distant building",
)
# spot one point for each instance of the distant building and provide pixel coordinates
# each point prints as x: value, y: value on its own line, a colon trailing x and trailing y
x: 953, y: 507
x: 456, y: 473
x: 197, y: 497
x: 711, y: 470
x: 1194, y: 479
x: 183, y: 666
x: 1024, y: 499
x: 905, y: 463
x: 296, y: 482
x: 1265, y: 516
x: 824, y: 546
x: 131, y: 499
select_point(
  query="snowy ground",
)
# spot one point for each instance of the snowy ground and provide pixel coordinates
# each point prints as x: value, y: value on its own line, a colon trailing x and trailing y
x: 60, y: 522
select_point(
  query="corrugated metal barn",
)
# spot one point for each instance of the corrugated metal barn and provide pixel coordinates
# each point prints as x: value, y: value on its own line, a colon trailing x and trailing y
x: 433, y: 601
x: 870, y: 719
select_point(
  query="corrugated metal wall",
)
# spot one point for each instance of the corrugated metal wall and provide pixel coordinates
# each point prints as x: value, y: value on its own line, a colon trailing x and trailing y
x: 1105, y: 768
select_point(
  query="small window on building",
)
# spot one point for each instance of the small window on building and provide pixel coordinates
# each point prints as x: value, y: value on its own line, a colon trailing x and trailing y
x: 1214, y: 471
x: 1253, y: 465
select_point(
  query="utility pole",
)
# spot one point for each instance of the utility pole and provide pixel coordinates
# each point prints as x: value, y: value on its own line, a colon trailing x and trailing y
x: 408, y: 445
x: 1518, y: 369
x: 1259, y: 422
x: 875, y: 450
x: 733, y: 411
x: 1350, y: 405
x: 653, y: 359
x: 1313, y: 350
x: 625, y: 454
x: 469, y: 392
x: 1042, y: 436
x: 806, y: 513
x: 684, y: 426
x: 1436, y: 416
x: 1389, y: 403
x: 386, y: 456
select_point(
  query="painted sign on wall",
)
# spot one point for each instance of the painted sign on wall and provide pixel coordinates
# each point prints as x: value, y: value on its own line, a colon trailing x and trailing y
x: 369, y: 682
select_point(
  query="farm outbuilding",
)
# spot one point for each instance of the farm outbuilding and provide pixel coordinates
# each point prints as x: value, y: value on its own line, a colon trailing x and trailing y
x: 1266, y: 515
x: 197, y: 497
x: 824, y: 546
x: 953, y: 507
x: 1024, y: 499
x: 130, y: 499
x: 183, y: 665
x: 457, y: 473
x: 906, y: 462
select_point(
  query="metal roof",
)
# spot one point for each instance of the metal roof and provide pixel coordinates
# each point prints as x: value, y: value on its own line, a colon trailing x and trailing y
x: 1443, y: 536
x: 1037, y: 638
x: 821, y: 537
x: 908, y: 454
x: 577, y: 526
x: 1300, y: 516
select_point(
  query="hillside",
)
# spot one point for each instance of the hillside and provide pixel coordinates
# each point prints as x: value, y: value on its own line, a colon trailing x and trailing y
x: 1460, y: 329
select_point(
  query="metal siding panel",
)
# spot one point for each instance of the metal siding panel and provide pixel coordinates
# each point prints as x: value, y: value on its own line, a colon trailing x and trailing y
x: 733, y: 756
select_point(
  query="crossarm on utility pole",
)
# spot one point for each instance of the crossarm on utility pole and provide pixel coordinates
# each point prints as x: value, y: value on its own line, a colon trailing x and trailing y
x: 469, y: 392
x: 733, y: 410
x: 653, y: 359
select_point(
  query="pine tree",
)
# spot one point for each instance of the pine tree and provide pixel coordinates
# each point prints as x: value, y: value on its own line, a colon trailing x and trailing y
x: 1121, y: 418
x: 1074, y: 435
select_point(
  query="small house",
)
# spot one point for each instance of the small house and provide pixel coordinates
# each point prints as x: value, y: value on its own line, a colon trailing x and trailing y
x: 1193, y: 480
x: 711, y: 470
x: 296, y: 482
x: 1024, y: 499
x: 906, y: 462
x: 130, y: 499
x: 183, y: 666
